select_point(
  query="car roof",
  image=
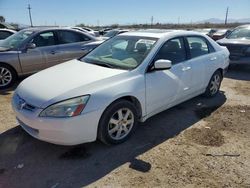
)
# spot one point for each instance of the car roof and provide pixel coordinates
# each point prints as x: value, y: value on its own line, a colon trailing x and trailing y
x: 244, y: 26
x: 38, y: 29
x: 10, y: 30
x: 159, y: 33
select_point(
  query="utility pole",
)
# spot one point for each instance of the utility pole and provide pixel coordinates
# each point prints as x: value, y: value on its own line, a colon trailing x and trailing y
x: 179, y: 20
x: 152, y: 21
x: 29, y: 8
x: 226, y: 16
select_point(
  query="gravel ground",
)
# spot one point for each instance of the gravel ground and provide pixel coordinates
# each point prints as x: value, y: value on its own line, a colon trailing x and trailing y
x: 199, y: 143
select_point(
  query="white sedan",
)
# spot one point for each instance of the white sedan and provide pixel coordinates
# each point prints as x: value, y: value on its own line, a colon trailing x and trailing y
x: 127, y: 79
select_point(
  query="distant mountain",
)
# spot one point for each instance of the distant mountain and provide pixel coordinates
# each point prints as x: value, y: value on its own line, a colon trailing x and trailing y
x: 219, y: 21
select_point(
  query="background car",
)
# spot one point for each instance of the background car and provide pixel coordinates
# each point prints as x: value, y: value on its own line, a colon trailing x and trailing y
x: 87, y: 30
x: 238, y: 44
x: 207, y: 31
x: 104, y: 31
x: 113, y: 33
x: 127, y: 79
x: 5, y: 33
x: 219, y: 34
x: 34, y: 49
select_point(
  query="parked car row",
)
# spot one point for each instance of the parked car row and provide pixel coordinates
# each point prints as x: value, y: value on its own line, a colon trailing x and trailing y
x: 215, y: 34
x: 31, y: 50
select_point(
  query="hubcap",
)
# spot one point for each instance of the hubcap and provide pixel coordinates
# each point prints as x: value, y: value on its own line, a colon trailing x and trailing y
x: 5, y: 76
x: 215, y: 84
x: 121, y: 123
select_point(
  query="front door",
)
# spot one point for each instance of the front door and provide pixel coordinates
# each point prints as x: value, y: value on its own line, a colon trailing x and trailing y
x: 166, y: 87
x: 45, y: 54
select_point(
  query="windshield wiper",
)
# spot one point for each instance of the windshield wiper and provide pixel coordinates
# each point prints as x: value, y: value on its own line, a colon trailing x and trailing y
x: 103, y: 64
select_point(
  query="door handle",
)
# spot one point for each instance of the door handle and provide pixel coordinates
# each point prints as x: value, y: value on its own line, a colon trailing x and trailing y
x: 83, y: 48
x: 213, y: 58
x: 186, y: 68
x: 53, y: 52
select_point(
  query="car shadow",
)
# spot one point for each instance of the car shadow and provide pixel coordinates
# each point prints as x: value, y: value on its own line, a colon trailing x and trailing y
x: 239, y: 72
x: 12, y: 88
x: 27, y: 162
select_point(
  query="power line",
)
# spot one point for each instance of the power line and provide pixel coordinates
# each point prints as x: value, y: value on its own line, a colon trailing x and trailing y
x: 29, y: 8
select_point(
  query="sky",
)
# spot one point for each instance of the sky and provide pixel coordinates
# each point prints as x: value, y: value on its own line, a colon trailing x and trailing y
x: 106, y: 12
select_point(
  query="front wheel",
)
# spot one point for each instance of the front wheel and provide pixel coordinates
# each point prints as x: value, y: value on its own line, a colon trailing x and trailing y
x: 214, y: 85
x: 7, y: 76
x: 117, y: 122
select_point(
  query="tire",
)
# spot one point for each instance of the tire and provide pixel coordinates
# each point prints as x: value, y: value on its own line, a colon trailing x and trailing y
x: 118, y: 122
x: 7, y: 76
x: 214, y: 84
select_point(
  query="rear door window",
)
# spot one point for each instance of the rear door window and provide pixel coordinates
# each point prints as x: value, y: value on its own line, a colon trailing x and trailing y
x: 198, y: 46
x: 67, y: 37
x: 4, y: 34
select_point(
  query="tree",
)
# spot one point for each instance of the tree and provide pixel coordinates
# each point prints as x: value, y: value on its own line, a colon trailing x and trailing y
x: 2, y: 19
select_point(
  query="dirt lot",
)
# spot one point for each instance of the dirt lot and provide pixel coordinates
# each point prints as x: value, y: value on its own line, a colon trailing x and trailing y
x: 200, y: 143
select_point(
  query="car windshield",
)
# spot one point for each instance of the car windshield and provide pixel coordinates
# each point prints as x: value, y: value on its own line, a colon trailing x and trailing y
x: 240, y: 33
x: 111, y: 34
x: 121, y: 52
x: 15, y: 40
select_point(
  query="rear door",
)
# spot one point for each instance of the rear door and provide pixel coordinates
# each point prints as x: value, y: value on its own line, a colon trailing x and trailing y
x: 45, y: 54
x: 166, y: 87
x: 72, y: 44
x: 201, y: 58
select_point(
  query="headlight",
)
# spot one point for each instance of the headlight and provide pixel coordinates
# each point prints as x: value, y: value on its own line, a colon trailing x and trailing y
x: 68, y: 108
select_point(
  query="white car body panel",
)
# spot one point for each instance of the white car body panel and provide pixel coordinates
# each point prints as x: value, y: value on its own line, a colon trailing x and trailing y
x: 155, y: 91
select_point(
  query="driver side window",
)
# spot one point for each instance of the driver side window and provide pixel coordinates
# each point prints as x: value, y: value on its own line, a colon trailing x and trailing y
x: 173, y: 50
x: 44, y: 39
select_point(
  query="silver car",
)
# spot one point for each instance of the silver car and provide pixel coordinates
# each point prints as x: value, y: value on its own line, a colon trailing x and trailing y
x: 31, y: 50
x: 5, y: 33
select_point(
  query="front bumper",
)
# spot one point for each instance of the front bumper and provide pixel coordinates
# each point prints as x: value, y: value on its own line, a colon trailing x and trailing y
x: 62, y: 131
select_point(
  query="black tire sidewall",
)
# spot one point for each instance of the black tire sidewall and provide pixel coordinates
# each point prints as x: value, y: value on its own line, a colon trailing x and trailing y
x: 103, y: 123
x: 13, y: 74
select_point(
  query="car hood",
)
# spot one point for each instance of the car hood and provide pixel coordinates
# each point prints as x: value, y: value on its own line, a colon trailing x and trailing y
x: 103, y: 38
x: 67, y: 80
x: 4, y: 49
x: 234, y: 41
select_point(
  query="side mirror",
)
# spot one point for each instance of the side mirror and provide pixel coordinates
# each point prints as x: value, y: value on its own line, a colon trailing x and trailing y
x: 31, y: 46
x: 162, y: 64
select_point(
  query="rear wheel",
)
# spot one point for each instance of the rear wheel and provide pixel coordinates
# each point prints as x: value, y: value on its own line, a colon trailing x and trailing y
x: 117, y: 122
x: 214, y: 85
x: 7, y: 76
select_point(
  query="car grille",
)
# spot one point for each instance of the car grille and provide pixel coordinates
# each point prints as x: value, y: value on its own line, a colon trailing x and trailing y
x: 21, y: 104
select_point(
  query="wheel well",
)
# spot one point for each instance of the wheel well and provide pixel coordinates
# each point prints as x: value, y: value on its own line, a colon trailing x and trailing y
x: 11, y: 67
x: 135, y: 101
x: 221, y: 71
